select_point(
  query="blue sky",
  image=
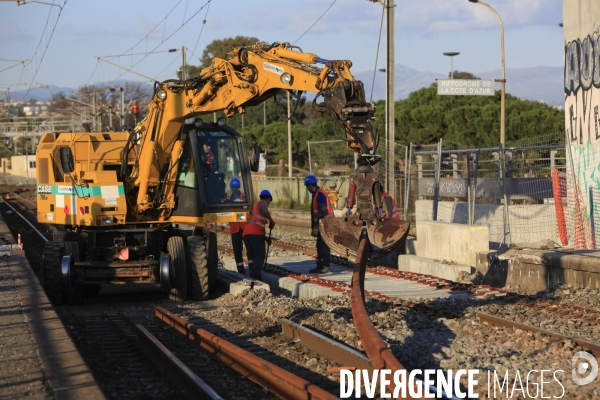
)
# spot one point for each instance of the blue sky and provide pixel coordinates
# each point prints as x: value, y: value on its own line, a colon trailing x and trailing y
x: 61, y: 45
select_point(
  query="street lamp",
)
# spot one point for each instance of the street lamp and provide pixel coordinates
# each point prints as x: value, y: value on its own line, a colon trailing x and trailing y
x: 451, y: 54
x: 503, y: 80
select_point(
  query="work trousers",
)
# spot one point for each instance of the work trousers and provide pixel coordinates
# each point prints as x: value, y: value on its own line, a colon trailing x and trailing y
x: 255, y: 247
x: 238, y: 246
x: 323, y: 251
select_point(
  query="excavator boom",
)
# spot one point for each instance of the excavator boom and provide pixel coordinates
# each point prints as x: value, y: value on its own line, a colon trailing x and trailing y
x: 248, y: 76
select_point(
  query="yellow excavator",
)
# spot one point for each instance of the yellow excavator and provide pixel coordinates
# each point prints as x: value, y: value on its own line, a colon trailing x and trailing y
x: 132, y: 203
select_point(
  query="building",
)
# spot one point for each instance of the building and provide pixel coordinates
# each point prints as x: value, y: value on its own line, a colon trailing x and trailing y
x: 24, y: 166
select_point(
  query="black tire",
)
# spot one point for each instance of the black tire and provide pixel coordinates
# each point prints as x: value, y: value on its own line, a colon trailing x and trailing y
x: 212, y: 260
x: 177, y: 269
x: 75, y: 296
x: 52, y: 277
x: 198, y: 267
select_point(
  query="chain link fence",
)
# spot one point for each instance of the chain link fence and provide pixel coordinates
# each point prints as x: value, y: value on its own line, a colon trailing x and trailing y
x: 509, y: 189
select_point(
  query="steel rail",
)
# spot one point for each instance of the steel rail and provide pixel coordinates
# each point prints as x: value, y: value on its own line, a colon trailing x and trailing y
x: 23, y: 198
x: 268, y: 375
x: 28, y: 223
x: 380, y: 355
x: 324, y: 346
x: 195, y: 388
x: 499, y: 321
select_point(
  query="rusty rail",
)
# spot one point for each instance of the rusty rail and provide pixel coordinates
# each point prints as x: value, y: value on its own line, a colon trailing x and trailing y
x: 499, y: 321
x: 324, y: 346
x: 381, y: 357
x: 195, y: 388
x: 268, y: 375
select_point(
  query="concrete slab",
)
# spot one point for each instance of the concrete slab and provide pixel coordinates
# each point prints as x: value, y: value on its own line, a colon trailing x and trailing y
x: 385, y: 285
x: 236, y: 283
x: 429, y: 266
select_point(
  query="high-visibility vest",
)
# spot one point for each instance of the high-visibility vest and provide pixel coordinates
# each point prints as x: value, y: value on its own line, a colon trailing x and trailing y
x: 256, y: 225
x: 235, y: 227
x: 395, y: 212
x: 315, y: 207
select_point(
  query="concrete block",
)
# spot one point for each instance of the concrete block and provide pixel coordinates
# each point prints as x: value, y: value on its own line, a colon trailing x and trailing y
x: 453, y: 242
x: 429, y: 266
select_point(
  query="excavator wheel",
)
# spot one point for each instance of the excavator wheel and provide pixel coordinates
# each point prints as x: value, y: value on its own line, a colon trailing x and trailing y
x: 51, y: 272
x: 177, y: 269
x: 212, y: 259
x: 199, y: 271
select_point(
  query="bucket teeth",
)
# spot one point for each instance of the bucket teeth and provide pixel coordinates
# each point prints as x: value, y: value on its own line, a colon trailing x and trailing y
x: 343, y: 236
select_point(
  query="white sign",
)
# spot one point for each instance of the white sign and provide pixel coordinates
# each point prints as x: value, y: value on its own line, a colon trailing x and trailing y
x: 465, y: 87
x: 262, y: 163
x: 272, y: 68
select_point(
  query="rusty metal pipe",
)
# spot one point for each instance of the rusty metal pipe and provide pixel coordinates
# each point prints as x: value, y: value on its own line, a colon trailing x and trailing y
x: 268, y: 375
x: 381, y: 357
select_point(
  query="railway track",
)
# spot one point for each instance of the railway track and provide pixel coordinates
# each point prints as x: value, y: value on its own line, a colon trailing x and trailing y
x: 441, y: 333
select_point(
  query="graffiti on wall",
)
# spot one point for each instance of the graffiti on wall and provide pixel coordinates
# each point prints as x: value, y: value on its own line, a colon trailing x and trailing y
x: 582, y: 111
x: 582, y: 89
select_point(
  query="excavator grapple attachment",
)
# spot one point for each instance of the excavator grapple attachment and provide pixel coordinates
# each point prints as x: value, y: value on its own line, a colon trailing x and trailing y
x: 343, y: 235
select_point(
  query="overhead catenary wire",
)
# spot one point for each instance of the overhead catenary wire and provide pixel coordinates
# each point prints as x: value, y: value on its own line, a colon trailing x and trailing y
x: 40, y: 44
x: 165, y: 39
x: 318, y: 19
x: 377, y: 53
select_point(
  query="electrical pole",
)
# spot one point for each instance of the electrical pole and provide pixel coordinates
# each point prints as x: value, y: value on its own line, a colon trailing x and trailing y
x: 122, y: 115
x: 390, y: 103
x: 94, y: 120
x: 184, y: 67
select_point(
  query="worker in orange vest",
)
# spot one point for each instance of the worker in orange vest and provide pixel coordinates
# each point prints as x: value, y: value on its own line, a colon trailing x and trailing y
x: 237, y: 228
x: 255, y: 234
x: 321, y: 209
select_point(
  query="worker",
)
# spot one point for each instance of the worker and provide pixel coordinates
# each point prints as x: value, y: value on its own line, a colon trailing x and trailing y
x: 321, y: 209
x: 237, y: 228
x: 255, y: 234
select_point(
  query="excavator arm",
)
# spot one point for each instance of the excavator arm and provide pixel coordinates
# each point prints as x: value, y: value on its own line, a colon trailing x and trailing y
x: 246, y: 77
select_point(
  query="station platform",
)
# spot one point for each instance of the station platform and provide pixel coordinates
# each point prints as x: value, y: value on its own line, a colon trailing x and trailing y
x: 385, y: 285
x: 39, y: 359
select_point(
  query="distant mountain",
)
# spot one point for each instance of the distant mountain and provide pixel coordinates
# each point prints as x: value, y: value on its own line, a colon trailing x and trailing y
x: 538, y: 83
x: 39, y: 93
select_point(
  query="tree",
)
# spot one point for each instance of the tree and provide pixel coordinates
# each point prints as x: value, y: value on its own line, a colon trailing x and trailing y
x: 463, y: 75
x: 471, y: 121
x: 218, y: 48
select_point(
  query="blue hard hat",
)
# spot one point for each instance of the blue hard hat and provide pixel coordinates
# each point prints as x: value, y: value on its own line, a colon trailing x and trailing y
x: 310, y: 180
x: 235, y: 182
x: 265, y: 193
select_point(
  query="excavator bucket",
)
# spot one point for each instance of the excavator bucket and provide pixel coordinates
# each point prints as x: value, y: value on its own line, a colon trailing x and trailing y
x: 343, y: 236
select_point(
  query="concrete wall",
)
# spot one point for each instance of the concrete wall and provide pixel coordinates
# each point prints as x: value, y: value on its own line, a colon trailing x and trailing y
x: 452, y: 242
x: 528, y: 223
x: 582, y: 89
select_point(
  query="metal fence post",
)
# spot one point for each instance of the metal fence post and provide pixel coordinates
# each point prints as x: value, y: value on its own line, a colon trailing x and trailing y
x: 309, y: 160
x: 436, y: 186
x: 504, y: 192
x: 407, y: 166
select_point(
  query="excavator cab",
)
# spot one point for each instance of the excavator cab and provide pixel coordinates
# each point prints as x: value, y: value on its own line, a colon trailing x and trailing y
x: 213, y: 154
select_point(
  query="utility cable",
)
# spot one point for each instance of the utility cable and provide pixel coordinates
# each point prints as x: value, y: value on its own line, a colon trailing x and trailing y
x: 377, y: 53
x: 318, y: 19
x: 47, y: 43
x: 201, y: 29
x: 165, y: 39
